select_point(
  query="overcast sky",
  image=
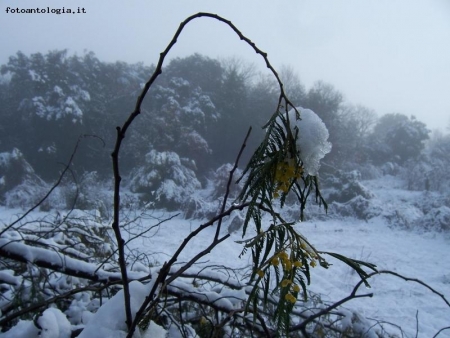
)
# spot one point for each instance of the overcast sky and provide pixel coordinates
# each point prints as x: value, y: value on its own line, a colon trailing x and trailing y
x: 389, y: 55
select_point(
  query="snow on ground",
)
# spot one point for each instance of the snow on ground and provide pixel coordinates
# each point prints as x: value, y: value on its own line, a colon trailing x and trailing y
x: 412, y: 253
x: 409, y: 253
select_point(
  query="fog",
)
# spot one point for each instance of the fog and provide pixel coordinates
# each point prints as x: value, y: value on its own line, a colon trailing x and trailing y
x: 391, y: 56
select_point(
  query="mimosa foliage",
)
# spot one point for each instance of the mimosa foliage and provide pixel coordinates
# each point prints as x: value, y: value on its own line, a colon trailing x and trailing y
x: 282, y: 257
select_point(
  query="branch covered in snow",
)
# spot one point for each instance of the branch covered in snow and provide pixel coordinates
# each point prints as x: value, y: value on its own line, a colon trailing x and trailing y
x: 56, y: 261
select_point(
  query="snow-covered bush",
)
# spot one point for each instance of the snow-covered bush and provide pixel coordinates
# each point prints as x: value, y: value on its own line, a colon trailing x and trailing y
x: 348, y: 197
x: 206, y: 203
x: 19, y: 184
x: 367, y: 170
x: 219, y: 179
x: 165, y: 179
x: 431, y: 171
x: 51, y: 256
x: 358, y: 207
x: 436, y: 219
x: 93, y: 194
x: 52, y: 323
x: 345, y: 186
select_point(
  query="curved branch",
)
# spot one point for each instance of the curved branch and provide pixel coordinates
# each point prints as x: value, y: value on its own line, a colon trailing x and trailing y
x: 353, y: 295
x: 439, y: 332
x: 408, y: 279
x: 121, y: 131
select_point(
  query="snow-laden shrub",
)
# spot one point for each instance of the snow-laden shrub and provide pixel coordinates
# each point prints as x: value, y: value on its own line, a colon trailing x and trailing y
x: 207, y: 202
x: 93, y: 194
x: 432, y: 200
x: 346, y: 186
x: 19, y: 184
x: 219, y: 178
x: 71, y: 239
x: 390, y: 168
x: 21, y: 187
x: 430, y: 172
x: 13, y: 169
x: 367, y: 170
x: 358, y: 207
x: 404, y: 216
x: 435, y: 219
x: 165, y: 179
x: 348, y: 197
x: 52, y: 322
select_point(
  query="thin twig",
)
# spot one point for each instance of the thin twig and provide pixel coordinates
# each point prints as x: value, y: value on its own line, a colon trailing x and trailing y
x: 230, y: 179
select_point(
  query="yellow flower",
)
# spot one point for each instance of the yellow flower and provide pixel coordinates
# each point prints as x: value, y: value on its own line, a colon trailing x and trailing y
x: 284, y: 256
x: 313, y: 263
x: 298, y: 264
x: 290, y: 298
x: 288, y: 265
x: 275, y: 261
x: 296, y: 288
x: 260, y: 273
x: 285, y: 282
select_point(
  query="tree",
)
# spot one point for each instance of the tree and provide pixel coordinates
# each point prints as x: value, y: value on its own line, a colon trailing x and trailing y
x: 293, y: 85
x: 356, y: 123
x: 55, y: 98
x: 397, y: 138
x: 431, y: 170
x: 201, y: 71
x: 326, y: 102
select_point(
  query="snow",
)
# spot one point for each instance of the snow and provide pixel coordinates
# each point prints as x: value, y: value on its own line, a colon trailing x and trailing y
x: 312, y: 138
x: 59, y: 261
x: 109, y: 321
x: 154, y: 331
x: 7, y: 276
x: 53, y: 323
x: 413, y: 252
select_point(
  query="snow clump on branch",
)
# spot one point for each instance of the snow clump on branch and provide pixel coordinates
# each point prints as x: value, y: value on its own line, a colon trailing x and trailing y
x: 312, y: 138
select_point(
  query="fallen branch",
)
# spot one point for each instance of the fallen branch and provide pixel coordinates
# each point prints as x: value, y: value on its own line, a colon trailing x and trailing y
x: 59, y: 262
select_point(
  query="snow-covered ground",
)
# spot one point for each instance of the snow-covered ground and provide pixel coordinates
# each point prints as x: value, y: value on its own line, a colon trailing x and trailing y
x: 410, y: 253
x: 413, y: 253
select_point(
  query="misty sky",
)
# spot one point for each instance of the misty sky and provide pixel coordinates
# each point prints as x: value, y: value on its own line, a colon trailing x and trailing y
x: 389, y: 55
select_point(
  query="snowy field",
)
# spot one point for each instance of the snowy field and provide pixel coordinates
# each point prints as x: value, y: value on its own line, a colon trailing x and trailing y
x: 413, y: 253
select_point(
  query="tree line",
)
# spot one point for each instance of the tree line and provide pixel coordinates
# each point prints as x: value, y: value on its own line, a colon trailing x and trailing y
x: 195, y: 115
